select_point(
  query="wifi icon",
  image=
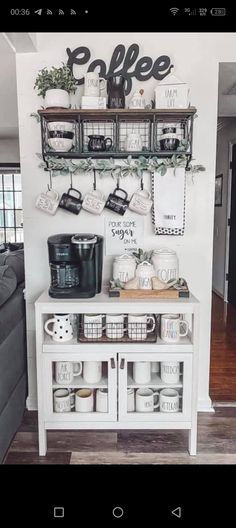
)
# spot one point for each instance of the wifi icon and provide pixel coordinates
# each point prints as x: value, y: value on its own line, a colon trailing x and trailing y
x: 174, y: 10
x: 72, y: 12
x: 61, y: 12
x: 49, y: 12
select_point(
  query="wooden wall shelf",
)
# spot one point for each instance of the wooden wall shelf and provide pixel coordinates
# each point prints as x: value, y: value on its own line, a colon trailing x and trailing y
x: 117, y: 124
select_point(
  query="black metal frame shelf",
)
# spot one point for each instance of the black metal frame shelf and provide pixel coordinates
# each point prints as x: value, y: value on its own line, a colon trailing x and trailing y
x: 116, y: 123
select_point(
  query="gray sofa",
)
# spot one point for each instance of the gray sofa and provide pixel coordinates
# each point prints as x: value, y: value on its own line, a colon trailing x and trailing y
x: 13, y: 369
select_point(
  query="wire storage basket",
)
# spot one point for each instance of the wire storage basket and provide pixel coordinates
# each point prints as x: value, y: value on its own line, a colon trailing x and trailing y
x: 116, y: 332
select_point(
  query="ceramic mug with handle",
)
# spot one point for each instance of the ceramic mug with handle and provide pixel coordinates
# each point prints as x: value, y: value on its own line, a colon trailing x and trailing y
x: 94, y: 202
x: 145, y: 400
x: 62, y: 329
x: 62, y: 400
x: 141, y: 202
x: 84, y: 400
x: 92, y: 371
x: 65, y: 371
x: 48, y: 201
x: 169, y: 401
x: 93, y: 84
x: 138, y: 326
x: 173, y: 328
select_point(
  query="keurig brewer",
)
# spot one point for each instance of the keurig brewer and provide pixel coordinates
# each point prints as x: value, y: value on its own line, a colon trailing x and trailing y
x: 75, y: 265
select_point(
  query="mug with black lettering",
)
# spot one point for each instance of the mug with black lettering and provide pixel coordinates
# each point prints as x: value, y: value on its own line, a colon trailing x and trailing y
x: 71, y: 203
x: 117, y: 204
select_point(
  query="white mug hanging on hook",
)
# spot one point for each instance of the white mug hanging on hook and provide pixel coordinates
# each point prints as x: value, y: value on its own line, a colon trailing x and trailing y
x: 48, y: 201
x: 141, y: 202
x: 94, y: 201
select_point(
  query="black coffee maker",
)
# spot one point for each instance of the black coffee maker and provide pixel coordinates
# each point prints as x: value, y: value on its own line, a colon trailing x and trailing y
x: 76, y: 265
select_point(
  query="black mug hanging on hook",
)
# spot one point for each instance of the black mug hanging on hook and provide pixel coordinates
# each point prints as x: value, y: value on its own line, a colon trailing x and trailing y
x: 117, y: 204
x: 71, y: 203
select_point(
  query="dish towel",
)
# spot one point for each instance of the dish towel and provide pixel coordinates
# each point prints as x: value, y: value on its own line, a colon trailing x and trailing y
x: 168, y: 194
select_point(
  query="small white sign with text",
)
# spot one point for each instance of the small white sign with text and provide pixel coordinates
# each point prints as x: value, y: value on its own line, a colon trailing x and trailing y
x: 123, y: 235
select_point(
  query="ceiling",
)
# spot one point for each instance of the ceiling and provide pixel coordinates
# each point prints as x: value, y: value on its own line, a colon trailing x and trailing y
x: 227, y: 89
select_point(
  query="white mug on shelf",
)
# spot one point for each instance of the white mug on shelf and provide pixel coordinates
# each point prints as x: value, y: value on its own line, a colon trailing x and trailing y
x: 169, y: 400
x: 138, y: 326
x: 92, y: 371
x: 84, y: 400
x: 170, y: 372
x: 130, y: 400
x: 141, y: 202
x: 115, y: 326
x: 145, y: 400
x: 62, y: 328
x: 102, y: 400
x: 133, y: 142
x: 93, y: 326
x: 66, y: 370
x: 93, y: 84
x: 94, y: 202
x: 142, y: 371
x: 62, y: 401
x: 173, y: 328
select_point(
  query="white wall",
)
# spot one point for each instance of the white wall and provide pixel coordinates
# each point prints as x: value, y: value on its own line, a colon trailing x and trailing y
x: 196, y: 57
x: 224, y: 136
x: 9, y: 150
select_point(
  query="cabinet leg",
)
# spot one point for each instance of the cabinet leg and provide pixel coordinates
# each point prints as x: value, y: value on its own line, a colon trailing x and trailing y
x: 42, y: 435
x: 192, y: 441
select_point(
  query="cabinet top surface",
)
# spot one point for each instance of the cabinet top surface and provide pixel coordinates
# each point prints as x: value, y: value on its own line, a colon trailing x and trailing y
x: 73, y: 112
x: 104, y: 299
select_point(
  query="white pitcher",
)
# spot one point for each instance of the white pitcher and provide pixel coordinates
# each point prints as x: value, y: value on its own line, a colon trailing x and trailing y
x: 62, y: 329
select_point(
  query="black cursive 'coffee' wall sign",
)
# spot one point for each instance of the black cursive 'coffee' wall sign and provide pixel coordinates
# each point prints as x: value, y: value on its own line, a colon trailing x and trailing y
x: 121, y: 63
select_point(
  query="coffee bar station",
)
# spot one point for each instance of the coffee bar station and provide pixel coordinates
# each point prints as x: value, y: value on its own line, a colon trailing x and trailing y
x: 122, y: 355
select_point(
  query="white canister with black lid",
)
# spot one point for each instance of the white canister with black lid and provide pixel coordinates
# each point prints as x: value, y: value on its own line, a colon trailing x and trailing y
x: 124, y: 268
x: 166, y: 264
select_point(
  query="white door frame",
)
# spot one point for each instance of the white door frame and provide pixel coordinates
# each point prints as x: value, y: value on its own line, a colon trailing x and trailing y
x: 228, y: 210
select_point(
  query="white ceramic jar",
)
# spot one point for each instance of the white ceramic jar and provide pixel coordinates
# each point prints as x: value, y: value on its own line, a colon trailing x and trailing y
x: 166, y: 264
x: 124, y: 268
x: 145, y: 271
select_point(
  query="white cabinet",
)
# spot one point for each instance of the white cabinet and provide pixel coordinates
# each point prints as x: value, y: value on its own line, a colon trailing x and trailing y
x: 119, y: 385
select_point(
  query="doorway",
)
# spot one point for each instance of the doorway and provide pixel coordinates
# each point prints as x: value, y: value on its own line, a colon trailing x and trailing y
x: 223, y: 337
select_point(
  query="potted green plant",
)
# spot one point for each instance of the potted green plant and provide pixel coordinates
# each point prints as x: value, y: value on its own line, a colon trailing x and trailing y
x: 55, y: 85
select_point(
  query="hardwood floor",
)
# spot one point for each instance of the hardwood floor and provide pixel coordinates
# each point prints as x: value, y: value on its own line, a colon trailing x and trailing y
x: 223, y: 352
x: 216, y: 444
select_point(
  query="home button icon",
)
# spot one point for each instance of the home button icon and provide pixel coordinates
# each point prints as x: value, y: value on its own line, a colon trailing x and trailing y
x: 118, y: 512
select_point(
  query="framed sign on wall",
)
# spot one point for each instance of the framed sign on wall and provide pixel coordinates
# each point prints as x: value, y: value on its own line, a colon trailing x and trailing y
x: 218, y: 190
x: 123, y: 235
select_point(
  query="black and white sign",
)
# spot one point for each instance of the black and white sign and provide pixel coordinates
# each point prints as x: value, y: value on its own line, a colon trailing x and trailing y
x: 123, y: 235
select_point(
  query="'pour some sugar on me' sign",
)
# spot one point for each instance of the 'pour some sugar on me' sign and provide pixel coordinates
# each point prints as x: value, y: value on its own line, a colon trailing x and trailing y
x: 123, y: 235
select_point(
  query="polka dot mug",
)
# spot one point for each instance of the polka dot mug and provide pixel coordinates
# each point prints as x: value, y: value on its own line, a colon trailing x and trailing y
x: 62, y: 329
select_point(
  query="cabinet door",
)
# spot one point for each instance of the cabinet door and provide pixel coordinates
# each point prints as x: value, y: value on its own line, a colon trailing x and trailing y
x: 74, y: 396
x: 155, y: 387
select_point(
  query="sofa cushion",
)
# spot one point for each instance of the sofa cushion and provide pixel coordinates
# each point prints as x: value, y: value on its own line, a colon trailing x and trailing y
x: 14, y: 259
x: 11, y: 313
x: 8, y: 283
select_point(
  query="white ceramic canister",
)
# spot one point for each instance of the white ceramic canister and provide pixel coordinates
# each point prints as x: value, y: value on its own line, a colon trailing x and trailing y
x: 166, y: 264
x: 124, y: 267
x: 145, y: 271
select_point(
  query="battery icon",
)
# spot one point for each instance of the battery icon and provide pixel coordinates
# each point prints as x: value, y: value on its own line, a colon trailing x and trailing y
x: 218, y: 11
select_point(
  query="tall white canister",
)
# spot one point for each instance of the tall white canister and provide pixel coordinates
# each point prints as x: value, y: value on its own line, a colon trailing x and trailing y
x: 166, y: 264
x: 124, y: 268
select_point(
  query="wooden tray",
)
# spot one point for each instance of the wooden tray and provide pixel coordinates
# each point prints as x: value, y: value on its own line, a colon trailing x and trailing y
x: 172, y: 293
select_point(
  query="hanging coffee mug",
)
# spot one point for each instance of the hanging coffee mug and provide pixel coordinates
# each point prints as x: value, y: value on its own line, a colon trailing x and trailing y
x: 94, y: 202
x: 48, y: 201
x: 141, y: 202
x: 71, y: 203
x: 116, y: 203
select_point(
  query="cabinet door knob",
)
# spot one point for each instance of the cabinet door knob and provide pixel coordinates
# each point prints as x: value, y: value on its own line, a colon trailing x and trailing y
x: 113, y: 363
x: 122, y: 363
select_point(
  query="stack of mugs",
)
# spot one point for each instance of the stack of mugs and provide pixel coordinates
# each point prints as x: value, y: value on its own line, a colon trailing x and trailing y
x: 60, y: 135
x: 145, y: 399
x: 82, y: 400
x: 116, y: 326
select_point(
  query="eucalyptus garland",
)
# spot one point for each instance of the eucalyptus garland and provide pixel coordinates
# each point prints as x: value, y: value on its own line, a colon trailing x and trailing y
x: 129, y: 167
